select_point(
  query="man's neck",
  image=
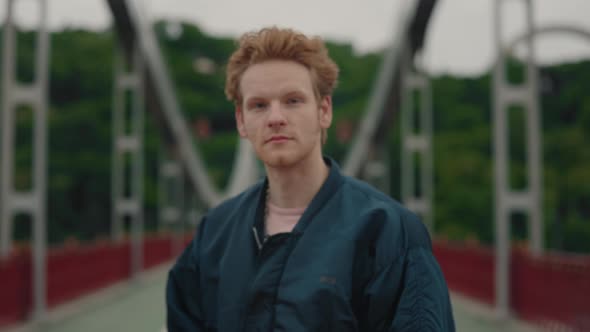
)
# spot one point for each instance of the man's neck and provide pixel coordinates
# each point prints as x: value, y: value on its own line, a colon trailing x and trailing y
x: 296, y: 186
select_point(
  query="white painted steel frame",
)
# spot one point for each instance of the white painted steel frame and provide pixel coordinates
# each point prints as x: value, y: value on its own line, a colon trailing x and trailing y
x: 419, y: 142
x: 507, y: 200
x: 33, y: 202
x: 129, y: 82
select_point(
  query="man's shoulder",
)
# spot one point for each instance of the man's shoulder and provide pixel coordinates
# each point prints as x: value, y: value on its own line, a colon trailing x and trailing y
x: 392, y: 216
x: 366, y: 194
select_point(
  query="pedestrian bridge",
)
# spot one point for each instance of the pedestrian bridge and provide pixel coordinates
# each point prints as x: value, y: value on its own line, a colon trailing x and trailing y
x: 118, y: 283
x: 138, y: 307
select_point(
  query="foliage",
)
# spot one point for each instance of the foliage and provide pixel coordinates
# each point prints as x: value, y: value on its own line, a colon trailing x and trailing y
x: 463, y: 148
x: 80, y: 136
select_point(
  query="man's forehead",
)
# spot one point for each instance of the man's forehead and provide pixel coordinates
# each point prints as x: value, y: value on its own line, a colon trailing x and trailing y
x: 276, y: 77
x: 264, y: 91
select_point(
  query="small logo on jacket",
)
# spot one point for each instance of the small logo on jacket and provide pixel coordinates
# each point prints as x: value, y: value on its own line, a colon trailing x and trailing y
x: 328, y: 280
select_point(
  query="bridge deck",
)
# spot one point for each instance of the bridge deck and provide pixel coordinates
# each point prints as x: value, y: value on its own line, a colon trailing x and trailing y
x: 140, y: 307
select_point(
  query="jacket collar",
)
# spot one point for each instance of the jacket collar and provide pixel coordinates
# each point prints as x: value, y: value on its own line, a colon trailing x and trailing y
x: 327, y: 190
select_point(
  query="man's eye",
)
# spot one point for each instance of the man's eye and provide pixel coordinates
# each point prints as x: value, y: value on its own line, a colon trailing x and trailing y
x: 258, y: 106
x: 292, y: 101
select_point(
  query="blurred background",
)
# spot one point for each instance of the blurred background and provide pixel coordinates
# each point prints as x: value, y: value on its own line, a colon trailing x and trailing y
x: 116, y: 137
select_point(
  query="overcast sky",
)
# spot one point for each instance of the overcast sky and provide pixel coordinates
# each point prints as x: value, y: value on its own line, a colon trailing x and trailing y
x: 459, y: 38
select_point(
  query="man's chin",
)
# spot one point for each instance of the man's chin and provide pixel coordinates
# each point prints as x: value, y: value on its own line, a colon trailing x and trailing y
x: 279, y: 161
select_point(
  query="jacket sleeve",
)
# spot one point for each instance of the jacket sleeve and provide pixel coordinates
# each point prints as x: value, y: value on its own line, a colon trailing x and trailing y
x: 424, y: 303
x: 410, y: 292
x: 184, y: 311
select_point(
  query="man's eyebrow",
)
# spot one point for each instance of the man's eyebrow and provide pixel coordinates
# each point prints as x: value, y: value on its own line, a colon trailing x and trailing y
x: 294, y: 91
x: 254, y: 98
x: 282, y: 93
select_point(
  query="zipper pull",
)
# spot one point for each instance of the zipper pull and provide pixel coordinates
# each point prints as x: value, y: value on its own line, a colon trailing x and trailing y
x: 257, y: 238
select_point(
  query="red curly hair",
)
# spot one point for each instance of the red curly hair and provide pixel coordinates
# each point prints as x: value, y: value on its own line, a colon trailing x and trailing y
x: 281, y: 44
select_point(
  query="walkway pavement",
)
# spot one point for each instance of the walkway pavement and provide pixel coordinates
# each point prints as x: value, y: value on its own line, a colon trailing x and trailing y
x: 474, y: 316
x: 127, y: 306
x: 139, y: 306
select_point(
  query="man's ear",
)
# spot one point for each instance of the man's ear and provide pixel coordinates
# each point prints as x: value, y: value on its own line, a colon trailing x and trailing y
x: 239, y: 114
x: 325, y: 112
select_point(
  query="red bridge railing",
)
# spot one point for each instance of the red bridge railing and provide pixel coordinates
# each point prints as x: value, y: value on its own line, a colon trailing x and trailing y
x: 551, y: 290
x: 73, y: 270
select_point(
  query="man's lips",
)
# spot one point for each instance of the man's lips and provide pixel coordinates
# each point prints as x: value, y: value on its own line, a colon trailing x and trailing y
x: 277, y: 138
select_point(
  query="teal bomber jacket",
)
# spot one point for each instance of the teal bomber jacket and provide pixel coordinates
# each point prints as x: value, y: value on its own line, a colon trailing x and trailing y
x: 356, y: 261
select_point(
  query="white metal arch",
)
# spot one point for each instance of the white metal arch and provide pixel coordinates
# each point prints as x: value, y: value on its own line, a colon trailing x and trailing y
x: 526, y: 94
x: 244, y: 170
x: 560, y: 29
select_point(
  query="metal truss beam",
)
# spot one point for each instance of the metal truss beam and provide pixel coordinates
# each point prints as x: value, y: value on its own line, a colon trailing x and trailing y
x: 127, y: 176
x: 172, y: 200
x: 377, y: 170
x: 12, y: 200
x: 507, y: 200
x: 416, y: 142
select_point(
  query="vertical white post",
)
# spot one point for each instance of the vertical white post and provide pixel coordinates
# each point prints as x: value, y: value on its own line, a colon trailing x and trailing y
x: 507, y: 200
x: 12, y: 200
x: 414, y: 80
x: 171, y: 199
x: 127, y: 176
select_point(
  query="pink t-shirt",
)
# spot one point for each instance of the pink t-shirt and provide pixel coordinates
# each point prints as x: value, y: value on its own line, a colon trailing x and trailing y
x: 282, y: 220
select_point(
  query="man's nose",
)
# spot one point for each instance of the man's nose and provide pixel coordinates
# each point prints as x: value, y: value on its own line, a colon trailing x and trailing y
x: 276, y: 118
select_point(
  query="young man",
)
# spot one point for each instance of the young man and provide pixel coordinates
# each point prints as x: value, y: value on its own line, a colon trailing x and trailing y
x: 306, y: 249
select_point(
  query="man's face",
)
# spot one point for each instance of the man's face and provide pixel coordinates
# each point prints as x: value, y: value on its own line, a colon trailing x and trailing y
x: 279, y: 113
